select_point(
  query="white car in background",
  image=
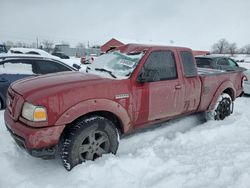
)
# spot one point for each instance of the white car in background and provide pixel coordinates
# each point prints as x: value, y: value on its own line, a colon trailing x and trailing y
x: 39, y: 52
x: 246, y: 82
x: 31, y: 51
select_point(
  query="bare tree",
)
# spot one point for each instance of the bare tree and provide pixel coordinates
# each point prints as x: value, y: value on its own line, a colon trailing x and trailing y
x: 21, y: 45
x: 48, y: 45
x: 220, y: 47
x: 81, y: 49
x: 8, y: 44
x: 64, y: 42
x: 232, y: 48
x: 33, y: 45
x: 246, y: 49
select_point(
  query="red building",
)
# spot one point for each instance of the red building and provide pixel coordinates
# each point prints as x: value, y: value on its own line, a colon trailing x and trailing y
x: 115, y: 43
x: 111, y: 43
x: 198, y: 52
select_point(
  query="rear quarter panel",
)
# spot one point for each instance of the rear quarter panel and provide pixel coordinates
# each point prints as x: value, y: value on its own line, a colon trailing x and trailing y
x: 214, y: 85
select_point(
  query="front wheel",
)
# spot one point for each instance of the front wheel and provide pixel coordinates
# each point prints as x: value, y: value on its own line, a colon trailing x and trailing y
x: 223, y: 108
x: 88, y: 139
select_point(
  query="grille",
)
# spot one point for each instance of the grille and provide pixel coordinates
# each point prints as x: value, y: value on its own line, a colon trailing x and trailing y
x: 10, y: 101
x: 14, y: 103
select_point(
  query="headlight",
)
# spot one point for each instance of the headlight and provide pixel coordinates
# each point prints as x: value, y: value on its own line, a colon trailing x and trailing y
x: 34, y: 113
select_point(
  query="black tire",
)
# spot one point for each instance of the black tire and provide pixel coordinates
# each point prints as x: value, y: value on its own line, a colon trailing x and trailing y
x: 88, y: 139
x: 223, y: 108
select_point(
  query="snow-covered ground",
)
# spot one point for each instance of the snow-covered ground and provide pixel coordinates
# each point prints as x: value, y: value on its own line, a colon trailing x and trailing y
x: 245, y: 65
x: 186, y: 152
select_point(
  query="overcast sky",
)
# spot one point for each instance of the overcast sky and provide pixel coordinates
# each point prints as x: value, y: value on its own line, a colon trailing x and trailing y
x: 192, y: 23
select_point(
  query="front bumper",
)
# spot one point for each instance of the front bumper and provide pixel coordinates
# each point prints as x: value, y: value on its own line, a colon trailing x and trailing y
x: 39, y: 142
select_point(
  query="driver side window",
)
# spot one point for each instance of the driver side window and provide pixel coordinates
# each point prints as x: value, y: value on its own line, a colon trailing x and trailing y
x: 160, y: 65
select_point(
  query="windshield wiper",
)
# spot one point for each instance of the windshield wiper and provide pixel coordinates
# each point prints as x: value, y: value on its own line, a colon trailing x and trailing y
x: 105, y: 70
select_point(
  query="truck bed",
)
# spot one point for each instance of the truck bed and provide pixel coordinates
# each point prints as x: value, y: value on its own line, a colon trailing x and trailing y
x: 212, y: 79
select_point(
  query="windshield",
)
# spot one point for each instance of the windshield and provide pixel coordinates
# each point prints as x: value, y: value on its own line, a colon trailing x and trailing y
x: 115, y: 63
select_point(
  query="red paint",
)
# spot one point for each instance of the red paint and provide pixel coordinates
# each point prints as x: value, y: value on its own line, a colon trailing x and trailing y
x: 68, y: 96
x: 199, y: 52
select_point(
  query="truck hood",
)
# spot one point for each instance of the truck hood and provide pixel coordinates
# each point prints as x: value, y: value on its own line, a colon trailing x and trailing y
x: 63, y: 80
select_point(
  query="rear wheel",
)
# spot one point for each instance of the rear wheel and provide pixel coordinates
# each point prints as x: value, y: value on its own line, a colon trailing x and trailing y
x: 223, y: 108
x: 88, y: 139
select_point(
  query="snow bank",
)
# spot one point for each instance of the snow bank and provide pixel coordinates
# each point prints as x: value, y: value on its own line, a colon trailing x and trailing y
x: 186, y: 152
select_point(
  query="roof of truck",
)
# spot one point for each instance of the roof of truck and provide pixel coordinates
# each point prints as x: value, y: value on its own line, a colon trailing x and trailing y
x: 144, y: 47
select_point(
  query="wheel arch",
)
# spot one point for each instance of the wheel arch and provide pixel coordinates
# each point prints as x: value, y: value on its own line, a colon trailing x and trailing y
x: 111, y: 110
x: 225, y: 87
x: 106, y: 114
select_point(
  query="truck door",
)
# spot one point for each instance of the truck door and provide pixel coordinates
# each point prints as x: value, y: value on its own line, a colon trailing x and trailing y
x: 158, y: 93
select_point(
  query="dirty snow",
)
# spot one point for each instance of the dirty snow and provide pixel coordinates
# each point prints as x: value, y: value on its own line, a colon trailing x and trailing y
x: 186, y: 152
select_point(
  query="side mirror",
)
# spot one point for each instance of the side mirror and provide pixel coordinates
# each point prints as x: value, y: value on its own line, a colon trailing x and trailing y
x: 141, y: 78
x: 76, y: 66
x: 148, y: 76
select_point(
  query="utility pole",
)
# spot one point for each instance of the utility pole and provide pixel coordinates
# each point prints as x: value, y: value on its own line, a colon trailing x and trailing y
x: 37, y: 43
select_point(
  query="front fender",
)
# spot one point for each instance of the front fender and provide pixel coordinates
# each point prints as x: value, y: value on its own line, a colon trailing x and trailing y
x: 225, y: 85
x: 94, y: 105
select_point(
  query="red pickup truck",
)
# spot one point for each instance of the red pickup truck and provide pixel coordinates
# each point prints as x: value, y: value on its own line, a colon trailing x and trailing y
x: 81, y: 115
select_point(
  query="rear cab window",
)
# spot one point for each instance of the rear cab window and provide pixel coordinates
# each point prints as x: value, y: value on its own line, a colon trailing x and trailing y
x: 188, y: 64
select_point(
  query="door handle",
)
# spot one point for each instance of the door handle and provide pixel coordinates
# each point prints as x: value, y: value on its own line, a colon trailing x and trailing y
x: 178, y: 87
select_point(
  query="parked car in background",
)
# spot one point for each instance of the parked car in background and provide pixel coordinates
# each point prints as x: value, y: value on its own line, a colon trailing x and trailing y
x: 88, y: 59
x: 246, y: 83
x: 39, y: 52
x: 15, y: 67
x: 61, y: 55
x: 3, y: 49
x: 31, y: 51
x: 217, y: 62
